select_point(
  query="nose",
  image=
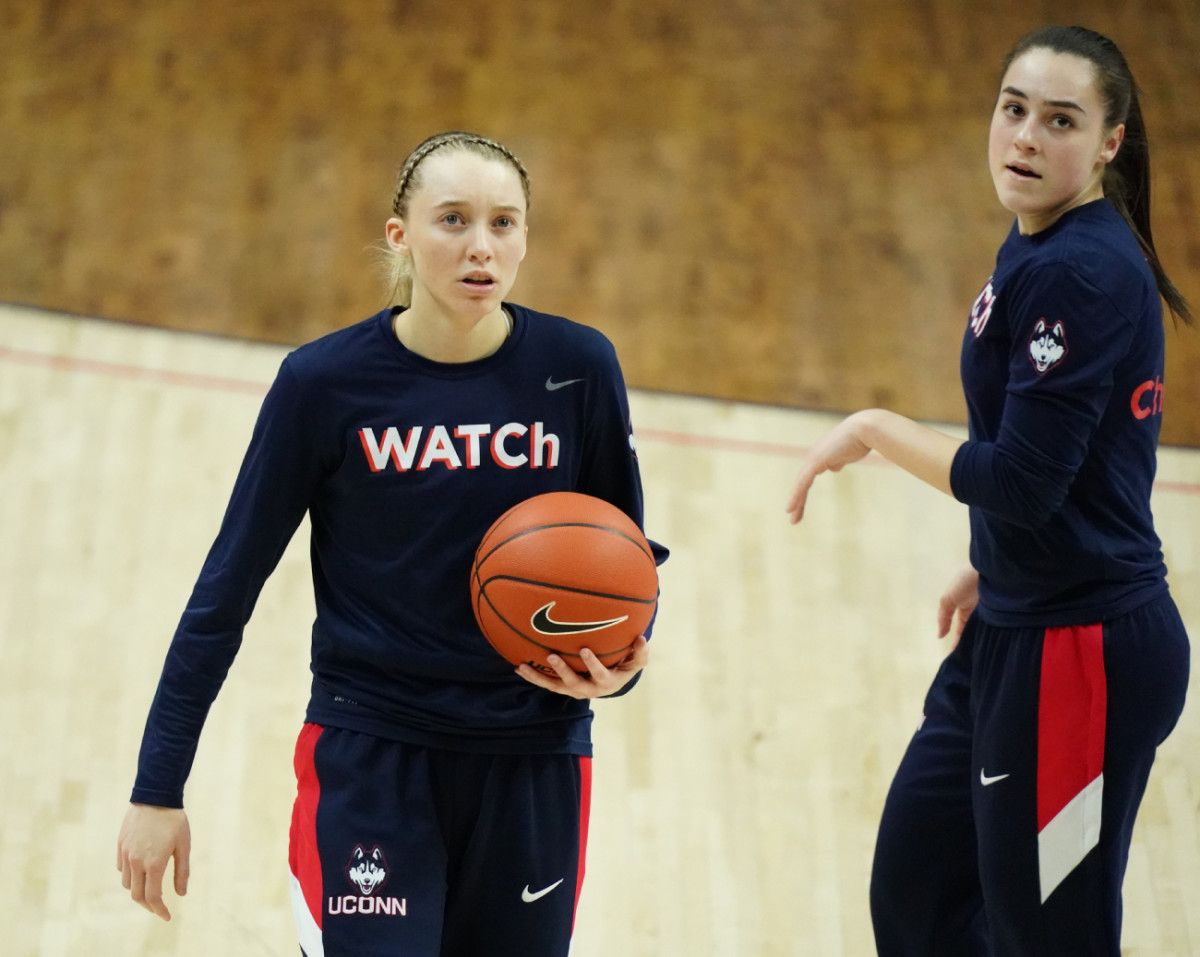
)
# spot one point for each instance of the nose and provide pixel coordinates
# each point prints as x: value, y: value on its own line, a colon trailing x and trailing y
x: 1025, y: 135
x: 479, y: 247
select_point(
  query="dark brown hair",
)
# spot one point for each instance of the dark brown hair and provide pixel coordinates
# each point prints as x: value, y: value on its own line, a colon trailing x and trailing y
x: 1127, y: 178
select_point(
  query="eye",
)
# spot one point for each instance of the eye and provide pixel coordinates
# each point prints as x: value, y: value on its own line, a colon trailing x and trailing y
x: 1014, y: 109
x: 1060, y: 121
x: 505, y: 222
x: 452, y: 219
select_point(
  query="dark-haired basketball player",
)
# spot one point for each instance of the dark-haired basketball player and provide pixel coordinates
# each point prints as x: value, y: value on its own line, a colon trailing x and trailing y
x: 1008, y: 824
x: 442, y: 800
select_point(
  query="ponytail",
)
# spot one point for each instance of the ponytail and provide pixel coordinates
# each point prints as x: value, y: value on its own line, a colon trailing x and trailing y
x: 1127, y: 186
x: 398, y: 270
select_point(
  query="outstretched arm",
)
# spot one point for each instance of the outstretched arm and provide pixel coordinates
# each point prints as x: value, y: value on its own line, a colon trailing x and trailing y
x: 921, y: 451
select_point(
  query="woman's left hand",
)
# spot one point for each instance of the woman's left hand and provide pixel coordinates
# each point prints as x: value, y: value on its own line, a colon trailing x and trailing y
x: 598, y: 682
x: 836, y: 449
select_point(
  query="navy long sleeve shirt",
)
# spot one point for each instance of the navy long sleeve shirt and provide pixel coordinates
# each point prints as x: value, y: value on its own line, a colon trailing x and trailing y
x: 402, y: 463
x: 1062, y: 367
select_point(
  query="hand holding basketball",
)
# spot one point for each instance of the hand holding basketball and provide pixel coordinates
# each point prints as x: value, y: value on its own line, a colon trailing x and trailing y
x: 599, y: 681
x: 559, y: 573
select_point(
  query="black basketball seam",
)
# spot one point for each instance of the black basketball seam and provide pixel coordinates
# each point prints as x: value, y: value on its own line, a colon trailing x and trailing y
x: 478, y: 592
x: 577, y: 591
x: 495, y: 526
x: 480, y: 559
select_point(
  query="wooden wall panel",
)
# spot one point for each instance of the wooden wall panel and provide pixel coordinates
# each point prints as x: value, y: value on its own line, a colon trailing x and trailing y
x: 782, y: 202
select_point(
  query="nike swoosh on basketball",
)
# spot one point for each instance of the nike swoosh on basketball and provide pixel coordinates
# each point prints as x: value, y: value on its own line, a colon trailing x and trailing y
x: 544, y: 624
x: 552, y: 386
x: 529, y: 896
x: 985, y: 780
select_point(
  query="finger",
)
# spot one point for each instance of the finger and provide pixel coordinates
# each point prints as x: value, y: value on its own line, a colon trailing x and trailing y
x: 958, y: 626
x: 183, y: 867
x: 795, y: 506
x: 945, y: 614
x: 594, y: 665
x: 535, y: 677
x: 567, y: 675
x: 152, y: 898
x: 638, y: 657
x: 137, y: 884
x: 127, y: 875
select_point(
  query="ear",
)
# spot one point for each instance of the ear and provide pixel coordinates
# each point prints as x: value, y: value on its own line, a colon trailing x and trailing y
x: 1112, y: 143
x: 396, y: 233
x: 524, y: 241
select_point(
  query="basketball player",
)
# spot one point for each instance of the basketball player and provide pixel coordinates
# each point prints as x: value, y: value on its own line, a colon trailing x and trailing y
x: 1008, y: 824
x: 442, y: 800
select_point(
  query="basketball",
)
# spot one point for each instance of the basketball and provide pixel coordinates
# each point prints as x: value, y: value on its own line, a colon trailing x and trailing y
x: 560, y: 572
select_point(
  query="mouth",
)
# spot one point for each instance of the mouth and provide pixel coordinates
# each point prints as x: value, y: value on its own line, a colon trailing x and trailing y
x: 1021, y: 170
x: 479, y: 280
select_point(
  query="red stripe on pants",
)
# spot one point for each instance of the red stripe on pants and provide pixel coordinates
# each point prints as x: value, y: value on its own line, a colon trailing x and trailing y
x: 1072, y: 704
x: 585, y: 812
x: 303, y: 855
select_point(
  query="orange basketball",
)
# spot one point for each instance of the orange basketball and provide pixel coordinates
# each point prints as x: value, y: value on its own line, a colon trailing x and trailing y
x: 561, y: 572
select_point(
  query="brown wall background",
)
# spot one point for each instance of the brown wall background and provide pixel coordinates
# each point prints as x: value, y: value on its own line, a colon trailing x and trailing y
x: 781, y: 202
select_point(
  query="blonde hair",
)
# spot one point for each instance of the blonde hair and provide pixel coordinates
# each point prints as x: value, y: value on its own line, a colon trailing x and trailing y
x: 399, y: 267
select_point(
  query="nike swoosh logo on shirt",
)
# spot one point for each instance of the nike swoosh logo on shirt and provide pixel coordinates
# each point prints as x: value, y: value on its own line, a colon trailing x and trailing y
x: 552, y: 386
x: 529, y: 896
x: 985, y: 780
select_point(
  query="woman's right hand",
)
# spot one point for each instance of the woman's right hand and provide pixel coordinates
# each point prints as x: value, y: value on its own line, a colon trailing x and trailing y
x: 150, y: 836
x: 957, y: 603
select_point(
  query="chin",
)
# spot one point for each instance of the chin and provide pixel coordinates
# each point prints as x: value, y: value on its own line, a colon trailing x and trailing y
x: 1017, y: 204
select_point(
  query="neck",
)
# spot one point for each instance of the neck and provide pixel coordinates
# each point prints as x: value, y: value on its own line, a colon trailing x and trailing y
x: 433, y: 334
x: 1031, y: 223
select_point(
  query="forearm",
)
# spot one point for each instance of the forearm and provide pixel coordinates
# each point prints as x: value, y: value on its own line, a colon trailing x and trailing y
x: 921, y: 451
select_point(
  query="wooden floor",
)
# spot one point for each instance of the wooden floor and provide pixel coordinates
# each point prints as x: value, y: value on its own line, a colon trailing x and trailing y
x: 736, y: 791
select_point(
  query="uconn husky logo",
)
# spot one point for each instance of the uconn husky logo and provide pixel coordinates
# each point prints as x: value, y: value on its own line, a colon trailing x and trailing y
x: 368, y: 871
x: 1047, y: 345
x: 981, y: 311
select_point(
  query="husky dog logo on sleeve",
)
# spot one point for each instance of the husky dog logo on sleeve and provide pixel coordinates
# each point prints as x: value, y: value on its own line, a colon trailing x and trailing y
x: 981, y: 310
x: 367, y: 871
x: 1047, y: 345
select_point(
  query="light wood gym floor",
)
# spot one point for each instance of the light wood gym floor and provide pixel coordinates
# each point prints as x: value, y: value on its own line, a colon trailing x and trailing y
x: 736, y: 791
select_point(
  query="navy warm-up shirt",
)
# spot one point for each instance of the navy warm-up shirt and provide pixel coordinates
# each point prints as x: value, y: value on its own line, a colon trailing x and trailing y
x: 402, y: 464
x: 1062, y: 366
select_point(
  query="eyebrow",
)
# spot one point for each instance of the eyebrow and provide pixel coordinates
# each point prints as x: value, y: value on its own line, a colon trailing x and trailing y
x: 463, y: 202
x: 1062, y: 104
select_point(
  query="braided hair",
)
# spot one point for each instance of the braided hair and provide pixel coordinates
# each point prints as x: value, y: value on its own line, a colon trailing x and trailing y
x: 408, y: 180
